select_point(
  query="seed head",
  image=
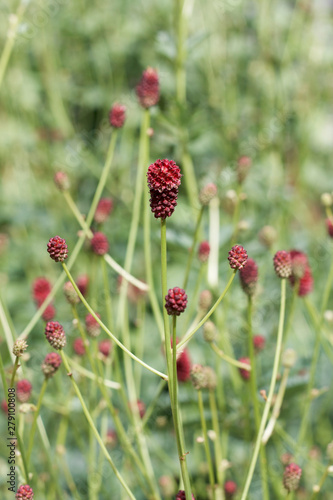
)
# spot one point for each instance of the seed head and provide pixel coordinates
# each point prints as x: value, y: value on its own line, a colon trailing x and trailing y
x: 163, y: 175
x: 282, y: 264
x: 291, y: 477
x: 147, y: 90
x: 243, y: 166
x: 198, y: 377
x: 99, y: 243
x: 117, y: 115
x: 57, y: 249
x: 207, y: 193
x: 209, y: 331
x: 230, y: 488
x: 24, y: 492
x: 259, y: 343
x: 19, y: 347
x: 203, y: 251
x: 103, y: 210
x: 70, y: 293
x: 267, y: 236
x: 23, y: 390
x: 182, y: 496
x: 92, y: 326
x: 51, y: 363
x: 329, y: 227
x: 237, y: 257
x: 299, y: 263
x: 82, y: 283
x: 163, y: 204
x: 41, y: 288
x: 211, y: 380
x: 175, y: 301
x: 49, y: 313
x: 62, y: 181
x: 55, y: 335
x: 249, y: 277
x: 245, y: 374
x: 79, y: 347
x: 289, y: 358
x: 105, y: 347
x: 205, y: 300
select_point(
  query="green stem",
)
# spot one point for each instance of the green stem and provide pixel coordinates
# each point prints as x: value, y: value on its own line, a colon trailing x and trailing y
x: 230, y: 360
x: 92, y: 425
x: 107, y: 331
x: 34, y: 423
x: 323, y: 478
x: 171, y: 358
x: 270, y: 393
x: 277, y: 407
x: 15, y: 368
x: 210, y: 312
x: 207, y: 450
x: 191, y: 253
x: 217, y: 442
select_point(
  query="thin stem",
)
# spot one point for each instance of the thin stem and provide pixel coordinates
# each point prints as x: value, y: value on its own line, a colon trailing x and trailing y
x: 191, y: 252
x: 207, y: 450
x: 92, y: 425
x: 317, y: 489
x: 277, y: 407
x: 210, y: 312
x: 34, y: 423
x: 270, y: 393
x: 217, y: 441
x: 15, y: 368
x: 230, y: 360
x: 107, y: 331
x: 214, y: 243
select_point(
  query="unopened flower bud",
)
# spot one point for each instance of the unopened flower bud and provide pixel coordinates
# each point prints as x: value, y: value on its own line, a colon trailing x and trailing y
x: 209, y: 331
x: 205, y: 300
x: 267, y: 236
x: 62, y: 181
x: 207, y: 193
x: 19, y: 347
x: 289, y: 358
x: 291, y: 477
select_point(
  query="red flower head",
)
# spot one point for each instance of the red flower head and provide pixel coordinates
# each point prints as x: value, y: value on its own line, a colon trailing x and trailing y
x: 103, y: 210
x: 299, y: 263
x: 99, y: 243
x: 105, y: 347
x: 329, y: 227
x: 70, y: 293
x: 92, y: 326
x: 181, y: 495
x: 148, y: 89
x: 203, y: 251
x: 41, y: 288
x: 259, y: 343
x: 291, y: 477
x: 243, y: 166
x: 51, y: 364
x: 23, y: 390
x: 301, y: 273
x: 55, y: 335
x: 117, y: 115
x: 249, y: 277
x: 230, y: 488
x: 79, y: 347
x: 49, y: 313
x: 163, y: 204
x: 175, y: 301
x: 163, y: 175
x: 62, y: 181
x: 111, y: 438
x: 82, y: 283
x: 57, y: 249
x: 245, y: 374
x: 237, y: 257
x: 24, y: 492
x: 282, y: 264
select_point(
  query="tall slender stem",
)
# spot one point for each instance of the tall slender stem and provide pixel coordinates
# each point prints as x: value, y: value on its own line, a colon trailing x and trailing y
x: 207, y: 450
x: 191, y: 253
x: 34, y: 423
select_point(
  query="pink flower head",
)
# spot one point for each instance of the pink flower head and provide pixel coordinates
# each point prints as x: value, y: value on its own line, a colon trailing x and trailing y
x: 82, y: 283
x: 245, y: 374
x: 103, y: 210
x: 105, y: 347
x: 175, y: 301
x: 181, y: 495
x: 51, y: 364
x: 291, y: 477
x: 62, y: 181
x: 49, y: 313
x: 148, y: 89
x: 41, y: 288
x: 55, y: 335
x: 259, y: 342
x: 282, y: 264
x: 163, y: 175
x: 230, y: 488
x: 329, y: 227
x: 249, y: 277
x: 57, y: 249
x: 237, y: 257
x: 203, y: 251
x: 140, y: 406
x: 301, y: 273
x: 99, y: 243
x: 23, y: 390
x: 243, y: 166
x: 92, y: 326
x: 79, y: 347
x: 24, y: 492
x: 117, y: 115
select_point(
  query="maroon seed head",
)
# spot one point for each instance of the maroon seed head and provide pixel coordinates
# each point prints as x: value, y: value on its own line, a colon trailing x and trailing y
x: 51, y: 364
x: 237, y: 257
x: 55, y: 335
x: 99, y: 243
x: 175, y: 301
x: 57, y: 249
x: 148, y: 89
x: 117, y: 115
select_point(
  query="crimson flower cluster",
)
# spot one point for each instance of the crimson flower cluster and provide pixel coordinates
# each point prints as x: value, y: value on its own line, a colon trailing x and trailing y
x: 249, y: 277
x: 40, y: 290
x: 147, y: 90
x: 117, y: 115
x: 51, y: 364
x: 163, y: 178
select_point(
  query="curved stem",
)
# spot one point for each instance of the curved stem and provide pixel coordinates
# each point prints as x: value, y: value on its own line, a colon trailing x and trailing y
x: 270, y: 393
x: 230, y: 360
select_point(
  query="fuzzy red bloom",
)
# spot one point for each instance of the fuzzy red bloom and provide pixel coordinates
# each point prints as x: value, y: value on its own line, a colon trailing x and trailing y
x: 245, y: 374
x: 92, y: 326
x: 147, y: 90
x: 181, y: 495
x: 291, y: 477
x: 99, y: 243
x: 329, y: 227
x: 103, y: 210
x: 184, y: 366
x: 51, y: 364
x: 175, y: 301
x: 163, y: 204
x: 243, y: 166
x: 55, y: 335
x: 203, y: 251
x: 41, y: 288
x: 299, y: 262
x: 117, y: 115
x: 230, y: 488
x: 49, y: 313
x: 82, y: 283
x: 259, y: 342
x: 62, y: 181
x: 207, y: 193
x: 301, y: 273
x: 24, y: 492
x: 57, y: 249
x: 105, y: 347
x: 249, y: 277
x: 23, y: 390
x: 163, y: 175
x: 305, y: 283
x: 79, y: 347
x: 282, y: 264
x: 237, y: 257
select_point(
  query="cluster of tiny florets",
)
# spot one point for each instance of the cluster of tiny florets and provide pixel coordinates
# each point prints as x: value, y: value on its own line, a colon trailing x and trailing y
x: 175, y: 301
x: 249, y: 277
x: 41, y: 288
x: 291, y: 477
x: 19, y: 347
x: 24, y: 492
x: 105, y: 347
x: 99, y: 243
x: 57, y: 249
x: 51, y: 364
x: 147, y: 90
x: 117, y: 115
x: 203, y: 251
x: 70, y: 293
x: 103, y: 210
x: 79, y: 347
x: 282, y: 264
x: 163, y: 178
x: 237, y: 257
x: 55, y: 335
x: 23, y: 390
x: 92, y: 325
x: 301, y: 273
x: 182, y: 496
